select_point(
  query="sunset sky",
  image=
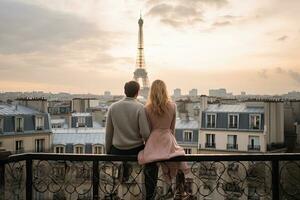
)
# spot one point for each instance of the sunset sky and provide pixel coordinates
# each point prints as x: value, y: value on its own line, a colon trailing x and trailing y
x: 89, y: 46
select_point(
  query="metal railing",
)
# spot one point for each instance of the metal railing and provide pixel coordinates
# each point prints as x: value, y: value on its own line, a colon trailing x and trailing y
x: 70, y: 176
x: 254, y: 147
x: 232, y: 146
x: 210, y: 145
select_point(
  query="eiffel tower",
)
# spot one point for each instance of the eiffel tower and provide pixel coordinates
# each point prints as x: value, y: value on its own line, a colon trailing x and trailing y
x: 140, y: 73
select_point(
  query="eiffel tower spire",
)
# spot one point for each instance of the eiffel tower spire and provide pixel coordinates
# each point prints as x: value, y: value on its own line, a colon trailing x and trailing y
x: 140, y: 73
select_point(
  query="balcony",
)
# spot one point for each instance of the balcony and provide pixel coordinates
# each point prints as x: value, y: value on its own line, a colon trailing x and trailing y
x: 70, y: 176
x: 254, y: 147
x: 232, y: 146
x: 210, y: 145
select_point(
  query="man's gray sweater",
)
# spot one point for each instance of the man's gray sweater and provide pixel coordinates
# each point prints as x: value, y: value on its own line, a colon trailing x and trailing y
x: 126, y: 125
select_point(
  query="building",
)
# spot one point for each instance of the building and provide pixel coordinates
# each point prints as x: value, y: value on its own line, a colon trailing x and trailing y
x: 177, y: 93
x: 193, y: 92
x: 242, y: 127
x: 187, y: 133
x: 84, y: 104
x: 82, y: 135
x: 219, y: 93
x: 24, y: 129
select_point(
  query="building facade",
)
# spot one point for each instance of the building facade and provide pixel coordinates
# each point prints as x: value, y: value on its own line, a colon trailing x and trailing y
x: 24, y: 129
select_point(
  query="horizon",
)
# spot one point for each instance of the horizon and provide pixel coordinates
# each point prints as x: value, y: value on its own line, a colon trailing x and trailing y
x: 82, y: 47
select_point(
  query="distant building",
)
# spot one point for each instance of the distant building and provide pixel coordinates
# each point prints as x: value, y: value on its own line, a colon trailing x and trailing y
x: 218, y: 92
x: 243, y: 93
x: 177, y: 93
x: 107, y: 94
x: 24, y: 129
x: 84, y: 104
x: 193, y: 92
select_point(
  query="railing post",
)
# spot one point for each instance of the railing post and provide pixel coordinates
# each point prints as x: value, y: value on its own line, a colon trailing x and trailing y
x: 2, y: 181
x: 95, y: 180
x: 28, y: 179
x: 275, y: 180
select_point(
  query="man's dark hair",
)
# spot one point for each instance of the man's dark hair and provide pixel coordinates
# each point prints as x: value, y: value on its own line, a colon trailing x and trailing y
x: 131, y: 88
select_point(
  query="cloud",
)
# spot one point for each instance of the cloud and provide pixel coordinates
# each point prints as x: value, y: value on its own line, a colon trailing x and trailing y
x: 177, y: 13
x: 291, y: 73
x: 222, y: 23
x: 294, y: 75
x: 282, y: 38
x: 29, y: 28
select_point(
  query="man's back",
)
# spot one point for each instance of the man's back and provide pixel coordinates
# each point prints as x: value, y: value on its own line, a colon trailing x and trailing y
x: 126, y: 126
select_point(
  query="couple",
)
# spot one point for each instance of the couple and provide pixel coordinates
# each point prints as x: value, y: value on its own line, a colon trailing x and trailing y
x: 147, y: 131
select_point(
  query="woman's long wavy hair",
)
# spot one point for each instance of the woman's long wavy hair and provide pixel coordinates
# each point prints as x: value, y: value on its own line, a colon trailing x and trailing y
x: 158, y: 98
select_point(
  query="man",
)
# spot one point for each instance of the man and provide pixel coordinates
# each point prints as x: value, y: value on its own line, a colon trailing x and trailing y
x: 127, y: 130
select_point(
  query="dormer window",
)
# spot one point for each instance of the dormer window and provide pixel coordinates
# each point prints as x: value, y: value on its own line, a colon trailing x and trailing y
x: 59, y: 149
x: 233, y: 121
x: 79, y: 149
x: 97, y: 149
x: 19, y: 124
x: 254, y: 121
x: 1, y: 125
x: 39, y: 122
x: 81, y: 122
x: 187, y: 136
x: 211, y: 120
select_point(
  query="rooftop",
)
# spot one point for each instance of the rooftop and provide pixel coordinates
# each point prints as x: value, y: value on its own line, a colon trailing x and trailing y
x: 6, y: 109
x: 186, y: 124
x: 78, y: 136
x: 234, y: 108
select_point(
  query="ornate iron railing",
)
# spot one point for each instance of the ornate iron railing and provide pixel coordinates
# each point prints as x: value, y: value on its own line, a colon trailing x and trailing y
x: 70, y: 176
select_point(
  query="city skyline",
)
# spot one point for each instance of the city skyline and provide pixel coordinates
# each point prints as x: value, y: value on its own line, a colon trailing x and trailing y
x: 84, y: 47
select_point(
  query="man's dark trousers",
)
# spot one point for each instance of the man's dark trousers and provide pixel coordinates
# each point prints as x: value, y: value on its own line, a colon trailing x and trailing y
x: 150, y: 170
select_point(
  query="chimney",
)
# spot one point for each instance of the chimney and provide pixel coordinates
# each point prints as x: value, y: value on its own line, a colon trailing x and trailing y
x: 39, y: 104
x: 203, y: 99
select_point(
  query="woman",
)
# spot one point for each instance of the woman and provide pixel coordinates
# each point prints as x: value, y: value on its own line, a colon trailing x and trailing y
x: 162, y: 145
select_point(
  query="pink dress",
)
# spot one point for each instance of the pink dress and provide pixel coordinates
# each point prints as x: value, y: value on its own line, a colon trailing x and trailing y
x: 161, y: 144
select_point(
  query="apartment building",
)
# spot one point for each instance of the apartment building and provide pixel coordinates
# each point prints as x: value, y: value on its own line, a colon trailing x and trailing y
x: 24, y: 129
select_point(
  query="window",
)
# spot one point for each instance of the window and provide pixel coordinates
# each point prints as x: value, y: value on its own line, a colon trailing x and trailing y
x: 60, y: 149
x: 187, y: 151
x: 78, y: 149
x: 1, y: 125
x: 39, y: 123
x: 56, y: 126
x: 254, y: 143
x: 232, y: 142
x: 211, y: 121
x: 97, y: 149
x: 255, y: 122
x: 19, y: 124
x: 81, y: 122
x: 233, y: 121
x: 19, y: 146
x: 210, y: 141
x: 187, y: 136
x: 40, y: 145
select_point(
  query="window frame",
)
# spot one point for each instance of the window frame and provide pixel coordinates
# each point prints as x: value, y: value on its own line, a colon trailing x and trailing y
x: 79, y: 145
x: 254, y: 115
x: 184, y: 134
x: 40, y: 150
x: 21, y: 128
x: 20, y: 147
x: 187, y: 151
x: 237, y: 120
x: 98, y: 146
x: 206, y: 121
x: 42, y: 122
x: 60, y: 146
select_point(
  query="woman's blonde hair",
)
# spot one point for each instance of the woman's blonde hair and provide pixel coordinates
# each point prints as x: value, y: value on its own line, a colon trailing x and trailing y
x: 158, y: 98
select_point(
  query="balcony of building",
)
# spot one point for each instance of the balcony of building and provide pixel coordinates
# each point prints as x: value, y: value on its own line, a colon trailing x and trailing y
x: 73, y: 176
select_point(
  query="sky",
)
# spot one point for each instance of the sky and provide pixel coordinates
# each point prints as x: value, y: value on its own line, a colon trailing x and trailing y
x: 90, y: 46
